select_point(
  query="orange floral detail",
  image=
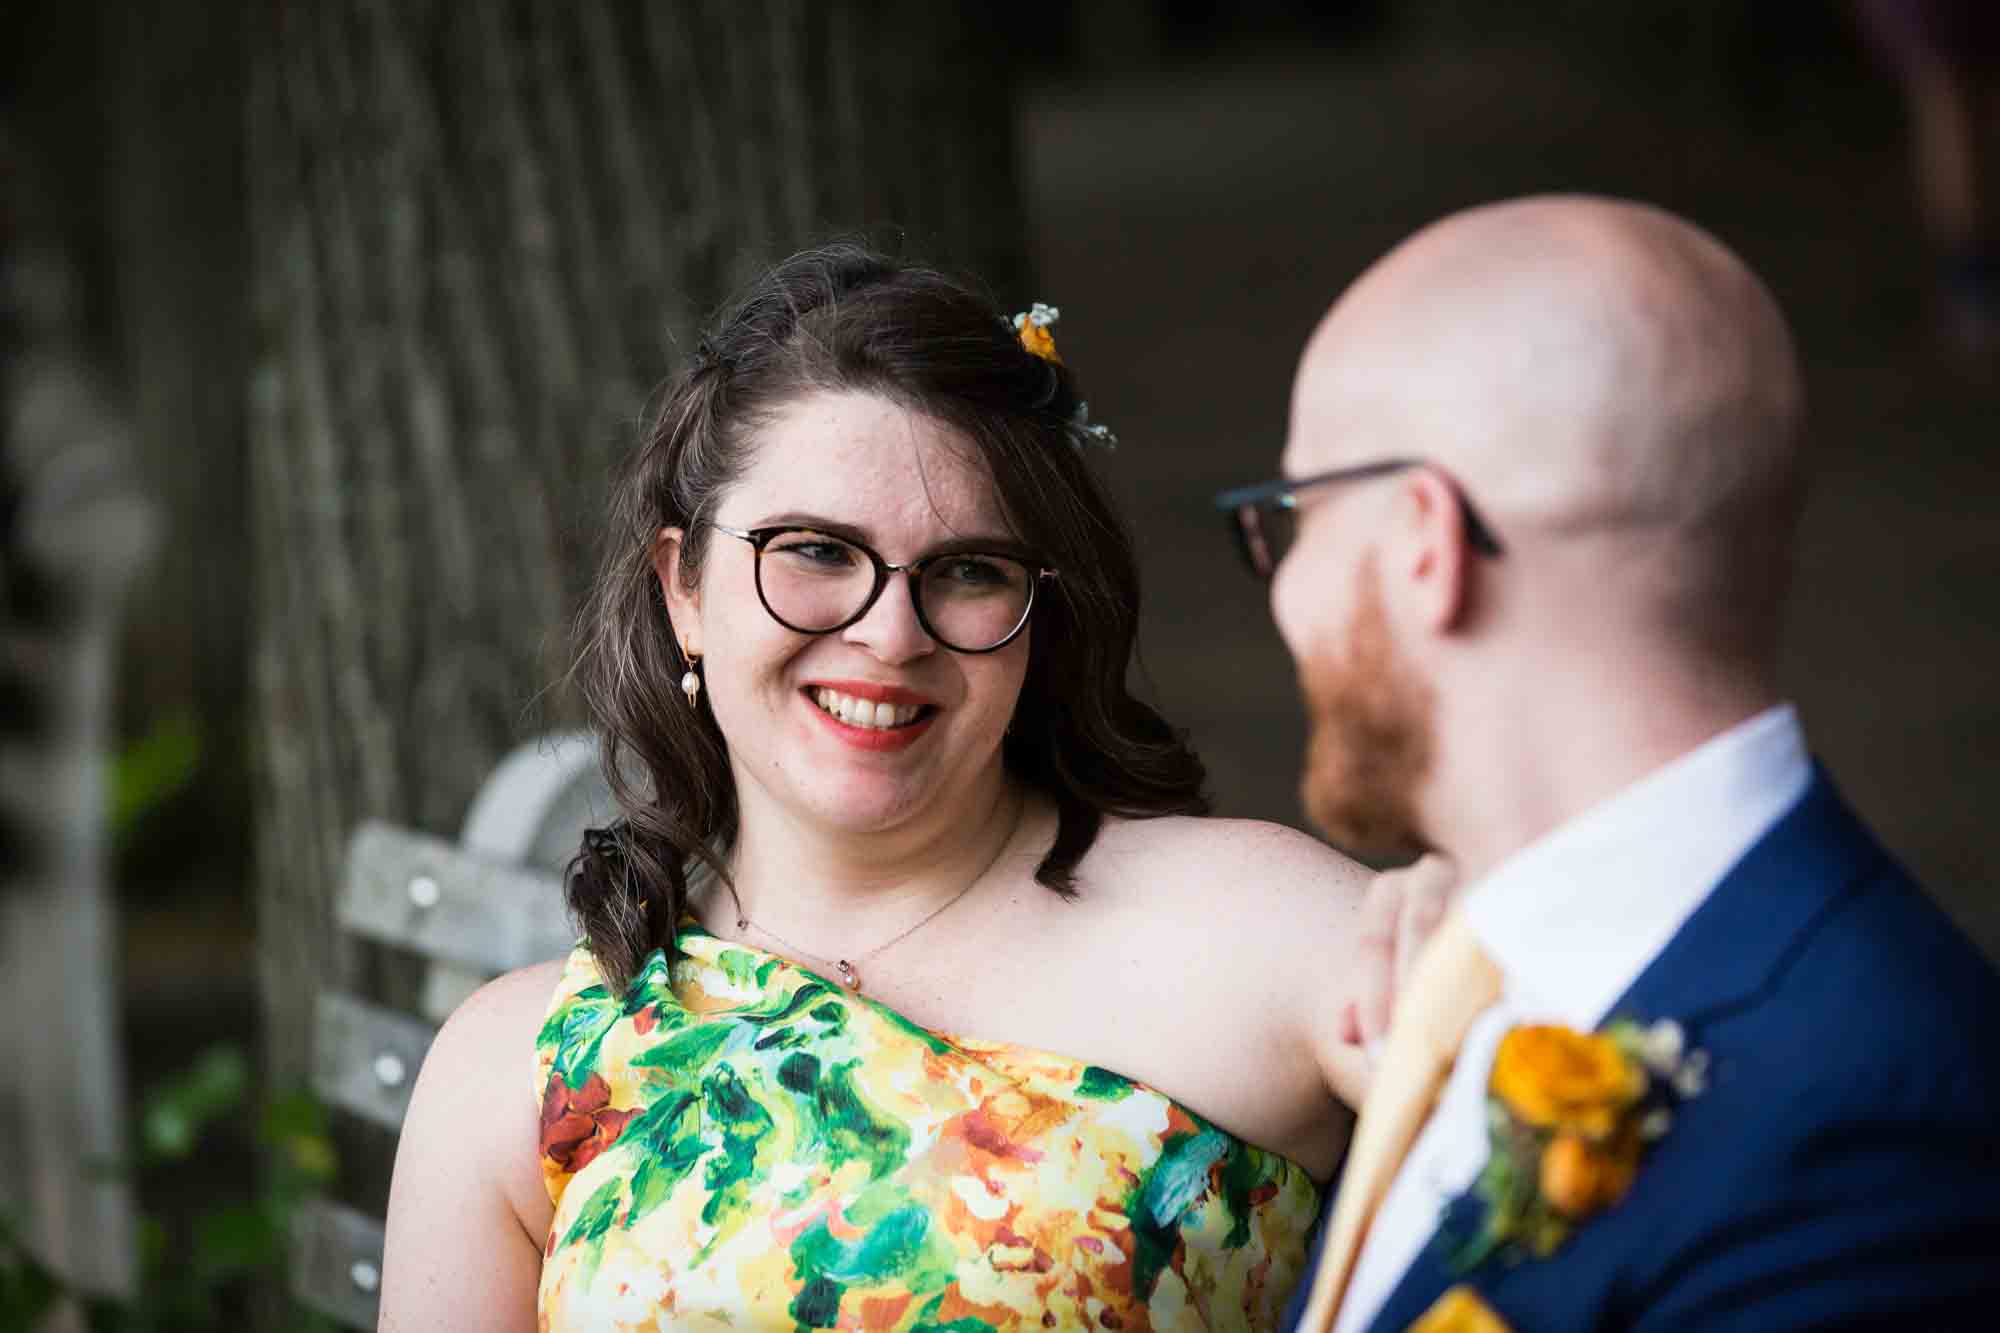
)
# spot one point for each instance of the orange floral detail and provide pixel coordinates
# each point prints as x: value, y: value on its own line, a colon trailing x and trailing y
x: 1039, y: 341
x: 1580, y: 1178
x: 1460, y: 1310
x: 1571, y: 1082
x: 578, y: 1123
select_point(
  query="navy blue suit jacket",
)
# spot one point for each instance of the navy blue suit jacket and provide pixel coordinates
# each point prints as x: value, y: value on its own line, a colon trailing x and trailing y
x: 1842, y: 1169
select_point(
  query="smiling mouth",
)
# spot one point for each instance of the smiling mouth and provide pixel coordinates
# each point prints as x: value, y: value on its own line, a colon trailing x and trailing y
x: 866, y: 713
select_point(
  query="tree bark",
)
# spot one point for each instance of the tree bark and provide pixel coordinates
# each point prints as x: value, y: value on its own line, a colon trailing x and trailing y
x: 481, y: 231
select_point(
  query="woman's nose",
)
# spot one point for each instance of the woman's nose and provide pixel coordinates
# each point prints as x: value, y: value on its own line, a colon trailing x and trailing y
x: 891, y: 630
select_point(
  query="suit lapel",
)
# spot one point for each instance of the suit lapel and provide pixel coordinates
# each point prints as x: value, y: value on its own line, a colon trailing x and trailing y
x: 1737, y: 941
x: 1722, y: 959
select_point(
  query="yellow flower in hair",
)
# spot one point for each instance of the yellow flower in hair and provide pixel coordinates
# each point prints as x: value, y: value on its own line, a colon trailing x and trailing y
x: 1033, y: 328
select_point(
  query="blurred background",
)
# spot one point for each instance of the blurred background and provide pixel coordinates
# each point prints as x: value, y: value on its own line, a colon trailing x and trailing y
x: 324, y: 322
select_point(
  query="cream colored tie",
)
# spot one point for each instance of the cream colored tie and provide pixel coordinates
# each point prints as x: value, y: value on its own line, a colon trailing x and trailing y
x: 1452, y: 983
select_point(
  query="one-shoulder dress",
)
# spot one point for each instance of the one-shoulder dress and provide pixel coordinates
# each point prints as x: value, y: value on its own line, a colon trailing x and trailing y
x: 736, y: 1142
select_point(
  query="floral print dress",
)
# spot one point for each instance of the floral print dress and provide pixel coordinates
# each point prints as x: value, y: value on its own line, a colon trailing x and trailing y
x: 736, y: 1142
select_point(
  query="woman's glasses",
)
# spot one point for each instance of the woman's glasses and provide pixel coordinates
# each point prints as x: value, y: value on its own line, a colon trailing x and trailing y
x: 813, y: 582
x: 1265, y: 521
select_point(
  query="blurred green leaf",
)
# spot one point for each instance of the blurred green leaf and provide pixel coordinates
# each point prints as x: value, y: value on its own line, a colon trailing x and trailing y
x: 152, y: 1243
x: 28, y: 1291
x: 291, y: 1113
x: 231, y: 1241
x: 176, y: 1112
x: 193, y: 1271
x: 152, y: 770
x: 297, y: 1130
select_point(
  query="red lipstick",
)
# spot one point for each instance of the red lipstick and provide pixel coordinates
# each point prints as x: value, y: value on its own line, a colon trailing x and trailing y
x: 874, y: 693
x: 876, y: 739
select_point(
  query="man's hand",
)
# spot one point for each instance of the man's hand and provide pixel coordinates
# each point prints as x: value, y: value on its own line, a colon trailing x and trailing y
x: 1402, y: 909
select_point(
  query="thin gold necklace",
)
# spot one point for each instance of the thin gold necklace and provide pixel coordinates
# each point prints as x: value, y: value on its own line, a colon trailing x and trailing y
x: 849, y: 975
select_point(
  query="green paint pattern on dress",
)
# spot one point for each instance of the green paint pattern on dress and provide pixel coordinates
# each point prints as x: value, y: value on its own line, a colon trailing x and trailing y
x: 736, y: 1140
x: 1103, y: 1085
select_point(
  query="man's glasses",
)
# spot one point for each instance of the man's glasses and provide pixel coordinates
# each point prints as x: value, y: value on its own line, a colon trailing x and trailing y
x: 813, y: 582
x: 1264, y: 518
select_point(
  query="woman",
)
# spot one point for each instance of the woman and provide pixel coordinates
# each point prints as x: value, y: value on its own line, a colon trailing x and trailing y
x: 904, y: 875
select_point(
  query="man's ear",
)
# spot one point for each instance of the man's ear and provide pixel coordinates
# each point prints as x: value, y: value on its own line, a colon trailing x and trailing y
x: 1428, y: 552
x: 683, y: 604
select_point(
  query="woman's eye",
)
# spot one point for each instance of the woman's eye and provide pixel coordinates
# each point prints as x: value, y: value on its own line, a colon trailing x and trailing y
x: 975, y: 573
x: 831, y: 554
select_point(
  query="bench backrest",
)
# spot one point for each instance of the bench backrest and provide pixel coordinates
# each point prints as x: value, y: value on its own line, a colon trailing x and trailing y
x: 473, y: 909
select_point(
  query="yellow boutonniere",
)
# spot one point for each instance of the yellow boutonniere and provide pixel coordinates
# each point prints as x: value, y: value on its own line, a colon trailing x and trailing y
x: 1569, y: 1114
x: 1460, y: 1310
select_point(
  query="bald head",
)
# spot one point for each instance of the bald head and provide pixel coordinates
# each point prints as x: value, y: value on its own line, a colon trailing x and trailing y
x: 1589, y: 370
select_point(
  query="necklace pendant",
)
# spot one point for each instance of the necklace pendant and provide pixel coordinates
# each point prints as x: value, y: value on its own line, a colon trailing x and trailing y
x: 848, y: 976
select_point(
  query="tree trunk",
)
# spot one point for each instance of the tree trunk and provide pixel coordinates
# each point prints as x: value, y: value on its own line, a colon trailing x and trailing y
x: 481, y: 232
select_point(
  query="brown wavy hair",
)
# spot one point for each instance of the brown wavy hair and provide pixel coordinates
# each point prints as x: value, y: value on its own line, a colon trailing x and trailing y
x: 835, y: 319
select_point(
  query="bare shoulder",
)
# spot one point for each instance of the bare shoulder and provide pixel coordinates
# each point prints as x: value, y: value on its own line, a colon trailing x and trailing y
x: 482, y: 1065
x: 499, y: 1013
x: 469, y: 1151
x: 1269, y: 862
x: 1252, y: 888
x: 479, y: 1076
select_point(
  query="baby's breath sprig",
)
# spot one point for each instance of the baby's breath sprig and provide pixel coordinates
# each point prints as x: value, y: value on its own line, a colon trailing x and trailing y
x: 1032, y: 327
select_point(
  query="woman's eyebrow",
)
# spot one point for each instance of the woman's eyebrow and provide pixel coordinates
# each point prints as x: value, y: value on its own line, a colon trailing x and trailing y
x: 994, y: 543
x: 798, y: 518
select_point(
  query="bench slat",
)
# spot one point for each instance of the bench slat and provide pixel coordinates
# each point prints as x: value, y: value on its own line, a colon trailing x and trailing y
x: 425, y: 894
x: 365, y: 1058
x: 337, y: 1262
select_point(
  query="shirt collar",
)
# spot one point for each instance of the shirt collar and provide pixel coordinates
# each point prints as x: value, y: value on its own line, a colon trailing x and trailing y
x: 1576, y: 916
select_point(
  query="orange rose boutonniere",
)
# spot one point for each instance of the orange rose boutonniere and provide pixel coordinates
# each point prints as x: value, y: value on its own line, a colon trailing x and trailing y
x: 1568, y: 1116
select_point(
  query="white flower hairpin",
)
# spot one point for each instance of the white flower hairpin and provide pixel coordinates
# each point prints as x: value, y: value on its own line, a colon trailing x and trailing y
x: 1032, y: 328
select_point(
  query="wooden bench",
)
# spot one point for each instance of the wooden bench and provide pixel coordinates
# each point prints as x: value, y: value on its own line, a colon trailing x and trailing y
x: 472, y: 909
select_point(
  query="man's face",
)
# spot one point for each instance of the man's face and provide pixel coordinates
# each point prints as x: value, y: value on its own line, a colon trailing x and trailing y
x: 1372, y: 733
x: 1371, y: 712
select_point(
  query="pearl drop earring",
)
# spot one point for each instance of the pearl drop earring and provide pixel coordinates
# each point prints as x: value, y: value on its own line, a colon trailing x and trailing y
x: 691, y: 682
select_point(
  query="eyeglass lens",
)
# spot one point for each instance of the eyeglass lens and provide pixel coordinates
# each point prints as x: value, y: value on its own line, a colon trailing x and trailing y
x: 814, y: 582
x: 1265, y: 532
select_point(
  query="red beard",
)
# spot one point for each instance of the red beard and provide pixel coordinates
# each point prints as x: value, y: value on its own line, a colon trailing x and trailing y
x: 1371, y: 738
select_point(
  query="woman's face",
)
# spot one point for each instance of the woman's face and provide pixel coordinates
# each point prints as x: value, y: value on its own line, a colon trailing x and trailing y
x: 789, y: 703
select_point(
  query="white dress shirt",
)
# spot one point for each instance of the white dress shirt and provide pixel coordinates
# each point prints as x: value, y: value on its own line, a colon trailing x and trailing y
x: 1572, y: 920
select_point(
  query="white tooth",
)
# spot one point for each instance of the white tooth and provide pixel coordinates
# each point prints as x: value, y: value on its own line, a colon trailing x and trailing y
x: 870, y: 714
x: 906, y: 715
x: 824, y: 698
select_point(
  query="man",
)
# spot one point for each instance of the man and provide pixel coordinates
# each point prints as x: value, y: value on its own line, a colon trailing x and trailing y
x: 1544, y: 462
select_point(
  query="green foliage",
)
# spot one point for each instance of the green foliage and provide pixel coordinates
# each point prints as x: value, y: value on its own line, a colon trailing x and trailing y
x: 28, y: 1291
x: 152, y: 771
x: 175, y: 1114
x: 186, y: 1274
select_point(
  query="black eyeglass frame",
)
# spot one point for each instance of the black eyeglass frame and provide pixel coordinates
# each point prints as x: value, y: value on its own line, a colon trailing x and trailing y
x: 759, y: 538
x: 1242, y: 503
